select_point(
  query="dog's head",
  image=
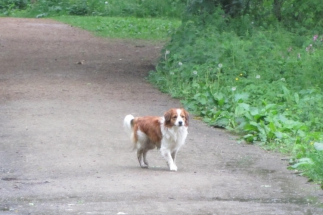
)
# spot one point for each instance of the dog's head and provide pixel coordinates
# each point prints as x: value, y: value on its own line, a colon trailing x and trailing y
x: 176, y: 117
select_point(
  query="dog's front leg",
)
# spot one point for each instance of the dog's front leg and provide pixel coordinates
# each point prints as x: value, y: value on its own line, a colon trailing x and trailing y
x: 174, y: 153
x: 168, y: 157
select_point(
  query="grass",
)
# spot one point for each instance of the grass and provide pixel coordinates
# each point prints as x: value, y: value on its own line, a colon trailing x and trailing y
x: 124, y: 27
x: 148, y: 20
x: 112, y: 8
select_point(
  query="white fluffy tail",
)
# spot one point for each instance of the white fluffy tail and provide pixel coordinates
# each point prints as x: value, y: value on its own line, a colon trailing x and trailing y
x: 127, y: 123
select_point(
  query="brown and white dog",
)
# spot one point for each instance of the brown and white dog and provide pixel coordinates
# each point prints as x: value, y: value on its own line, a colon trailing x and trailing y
x: 167, y: 133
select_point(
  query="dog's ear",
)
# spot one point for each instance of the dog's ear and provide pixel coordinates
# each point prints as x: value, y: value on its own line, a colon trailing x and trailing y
x: 168, y: 117
x: 187, y: 116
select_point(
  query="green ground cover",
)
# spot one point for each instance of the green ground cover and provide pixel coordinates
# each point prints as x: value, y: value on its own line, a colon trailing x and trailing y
x: 124, y: 27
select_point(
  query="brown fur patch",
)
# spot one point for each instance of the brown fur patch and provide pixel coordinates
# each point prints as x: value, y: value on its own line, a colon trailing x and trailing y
x: 186, y: 117
x: 150, y: 125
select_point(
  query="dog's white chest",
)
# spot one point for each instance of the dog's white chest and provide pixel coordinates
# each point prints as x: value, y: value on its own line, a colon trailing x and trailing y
x: 175, y: 135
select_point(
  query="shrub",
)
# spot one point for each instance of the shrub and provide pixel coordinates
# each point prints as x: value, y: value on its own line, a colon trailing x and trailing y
x: 6, y: 6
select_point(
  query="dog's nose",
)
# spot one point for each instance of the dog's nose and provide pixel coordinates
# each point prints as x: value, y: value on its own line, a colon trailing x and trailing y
x: 180, y: 123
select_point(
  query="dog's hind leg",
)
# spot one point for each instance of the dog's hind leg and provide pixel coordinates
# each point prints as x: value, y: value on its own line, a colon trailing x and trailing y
x: 141, y: 158
x: 148, y: 146
x: 144, y: 155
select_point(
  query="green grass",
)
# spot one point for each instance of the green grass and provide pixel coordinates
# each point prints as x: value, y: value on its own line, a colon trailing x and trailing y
x: 112, y: 8
x: 124, y: 27
x: 126, y: 19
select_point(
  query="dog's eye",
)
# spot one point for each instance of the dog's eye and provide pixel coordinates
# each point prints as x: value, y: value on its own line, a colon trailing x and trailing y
x: 174, y: 117
x: 183, y: 116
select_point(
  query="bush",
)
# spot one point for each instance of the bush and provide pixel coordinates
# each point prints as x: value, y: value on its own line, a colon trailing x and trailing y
x: 78, y: 10
x: 6, y: 6
x: 14, y: 4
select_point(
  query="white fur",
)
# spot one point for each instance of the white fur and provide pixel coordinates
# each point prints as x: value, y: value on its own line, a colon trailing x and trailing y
x: 173, y: 140
x: 127, y: 123
x: 179, y: 118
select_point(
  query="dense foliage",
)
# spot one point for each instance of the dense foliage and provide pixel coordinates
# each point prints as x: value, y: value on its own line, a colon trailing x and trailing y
x: 259, y: 77
x: 135, y: 8
x: 290, y: 13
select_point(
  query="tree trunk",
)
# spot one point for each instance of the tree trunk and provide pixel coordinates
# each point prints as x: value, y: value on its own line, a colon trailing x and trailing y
x: 277, y: 9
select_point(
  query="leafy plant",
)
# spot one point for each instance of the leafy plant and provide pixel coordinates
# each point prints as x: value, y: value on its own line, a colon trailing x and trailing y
x: 8, y: 5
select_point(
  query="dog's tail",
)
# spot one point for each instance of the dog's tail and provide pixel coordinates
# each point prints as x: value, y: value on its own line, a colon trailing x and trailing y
x: 128, y: 126
x: 128, y: 123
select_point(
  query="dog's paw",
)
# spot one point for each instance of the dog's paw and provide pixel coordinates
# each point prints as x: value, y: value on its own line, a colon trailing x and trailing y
x: 144, y: 166
x: 173, y: 168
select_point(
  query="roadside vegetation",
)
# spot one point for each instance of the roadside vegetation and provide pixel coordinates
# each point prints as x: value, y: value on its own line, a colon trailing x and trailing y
x: 141, y: 19
x: 254, y: 72
x: 252, y: 67
x: 125, y: 27
x: 119, y: 8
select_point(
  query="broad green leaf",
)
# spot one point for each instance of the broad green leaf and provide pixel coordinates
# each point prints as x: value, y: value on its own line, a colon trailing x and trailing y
x: 241, y: 97
x: 303, y: 162
x: 249, y: 127
x: 249, y: 138
x: 202, y: 100
x: 270, y: 106
x: 223, y: 122
x: 219, y: 98
x: 279, y: 134
x: 272, y: 127
x: 241, y: 109
x: 254, y: 111
x: 296, y: 96
x: 318, y: 146
x: 285, y: 90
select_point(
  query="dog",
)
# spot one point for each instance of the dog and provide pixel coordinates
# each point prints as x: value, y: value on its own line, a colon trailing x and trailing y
x: 167, y: 133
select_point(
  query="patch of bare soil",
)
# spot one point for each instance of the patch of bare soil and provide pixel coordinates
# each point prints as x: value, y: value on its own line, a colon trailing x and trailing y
x: 63, y: 96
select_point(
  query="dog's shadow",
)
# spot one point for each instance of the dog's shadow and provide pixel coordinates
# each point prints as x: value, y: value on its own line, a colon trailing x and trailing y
x: 149, y: 169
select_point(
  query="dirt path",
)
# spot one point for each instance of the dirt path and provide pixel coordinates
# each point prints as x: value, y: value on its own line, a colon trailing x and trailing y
x: 63, y: 149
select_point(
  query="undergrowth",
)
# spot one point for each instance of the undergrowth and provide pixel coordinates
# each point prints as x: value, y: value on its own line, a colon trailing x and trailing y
x: 263, y: 83
x: 124, y: 8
